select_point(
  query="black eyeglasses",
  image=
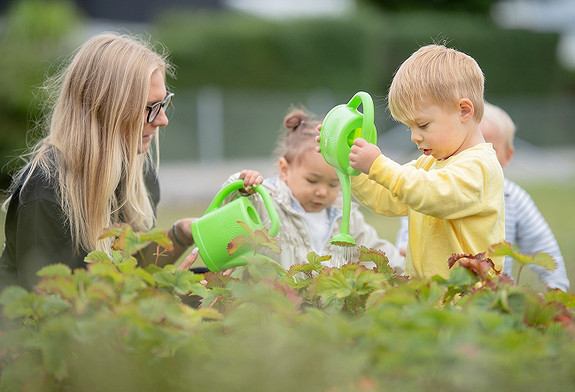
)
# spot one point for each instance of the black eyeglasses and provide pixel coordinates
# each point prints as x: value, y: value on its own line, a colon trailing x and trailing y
x: 154, y: 110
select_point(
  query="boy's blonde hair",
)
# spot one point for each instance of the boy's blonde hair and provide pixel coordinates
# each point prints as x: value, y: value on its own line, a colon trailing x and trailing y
x: 503, y: 122
x: 439, y: 75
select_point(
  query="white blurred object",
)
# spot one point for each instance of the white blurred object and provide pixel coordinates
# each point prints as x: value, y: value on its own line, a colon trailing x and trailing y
x: 542, y: 15
x: 279, y: 9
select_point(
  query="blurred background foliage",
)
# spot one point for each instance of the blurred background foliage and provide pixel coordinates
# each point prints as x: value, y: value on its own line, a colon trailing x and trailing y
x: 258, y: 65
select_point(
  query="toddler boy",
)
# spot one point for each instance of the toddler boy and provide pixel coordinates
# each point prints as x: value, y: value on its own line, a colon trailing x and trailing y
x: 453, y: 193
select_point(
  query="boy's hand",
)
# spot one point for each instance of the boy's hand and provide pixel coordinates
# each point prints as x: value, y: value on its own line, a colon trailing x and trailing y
x: 251, y: 178
x: 363, y: 154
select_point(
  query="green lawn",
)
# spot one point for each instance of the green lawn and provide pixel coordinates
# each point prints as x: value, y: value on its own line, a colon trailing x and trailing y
x: 554, y: 200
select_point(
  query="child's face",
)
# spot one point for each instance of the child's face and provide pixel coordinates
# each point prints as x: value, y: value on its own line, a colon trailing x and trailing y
x: 312, y: 181
x: 439, y: 132
x: 495, y: 136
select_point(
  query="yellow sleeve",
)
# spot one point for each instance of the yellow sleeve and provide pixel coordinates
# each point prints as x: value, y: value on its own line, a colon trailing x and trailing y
x: 376, y: 197
x: 449, y: 189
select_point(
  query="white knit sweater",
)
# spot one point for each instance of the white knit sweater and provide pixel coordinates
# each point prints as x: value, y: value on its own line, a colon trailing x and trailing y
x: 294, y: 231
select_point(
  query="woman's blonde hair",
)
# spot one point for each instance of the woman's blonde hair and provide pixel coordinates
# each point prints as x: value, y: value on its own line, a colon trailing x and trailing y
x: 94, y: 134
x: 439, y: 75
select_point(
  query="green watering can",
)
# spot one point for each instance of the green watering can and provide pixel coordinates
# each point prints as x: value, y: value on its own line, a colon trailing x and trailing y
x: 219, y: 225
x: 341, y: 126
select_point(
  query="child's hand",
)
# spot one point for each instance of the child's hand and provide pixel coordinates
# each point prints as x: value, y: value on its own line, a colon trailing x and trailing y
x: 317, y: 149
x: 251, y: 178
x: 363, y: 154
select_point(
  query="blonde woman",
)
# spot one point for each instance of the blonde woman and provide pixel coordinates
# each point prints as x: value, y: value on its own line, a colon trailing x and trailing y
x: 93, y: 167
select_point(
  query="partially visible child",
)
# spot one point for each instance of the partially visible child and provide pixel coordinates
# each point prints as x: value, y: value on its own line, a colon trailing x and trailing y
x: 524, y: 224
x: 306, y: 194
x: 453, y: 193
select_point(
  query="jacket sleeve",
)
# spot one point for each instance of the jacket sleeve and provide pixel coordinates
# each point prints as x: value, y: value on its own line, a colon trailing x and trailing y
x: 43, y: 238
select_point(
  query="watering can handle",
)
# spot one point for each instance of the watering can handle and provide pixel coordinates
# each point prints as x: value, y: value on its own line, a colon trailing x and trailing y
x: 268, y: 202
x: 365, y: 100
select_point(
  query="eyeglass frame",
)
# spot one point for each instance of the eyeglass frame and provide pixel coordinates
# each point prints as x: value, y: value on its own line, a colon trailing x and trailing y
x: 163, y: 104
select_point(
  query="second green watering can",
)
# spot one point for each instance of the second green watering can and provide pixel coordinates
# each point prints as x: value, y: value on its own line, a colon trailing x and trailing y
x: 341, y: 126
x: 219, y: 225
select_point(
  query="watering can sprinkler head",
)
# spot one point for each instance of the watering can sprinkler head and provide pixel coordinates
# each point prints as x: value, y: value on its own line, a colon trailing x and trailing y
x: 343, y: 239
x: 341, y: 126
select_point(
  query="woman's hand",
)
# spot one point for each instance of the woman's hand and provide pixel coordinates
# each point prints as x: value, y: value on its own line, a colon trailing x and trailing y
x: 189, y: 260
x: 182, y: 232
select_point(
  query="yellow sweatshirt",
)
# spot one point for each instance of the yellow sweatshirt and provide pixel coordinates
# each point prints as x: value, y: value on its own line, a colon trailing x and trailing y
x: 453, y: 206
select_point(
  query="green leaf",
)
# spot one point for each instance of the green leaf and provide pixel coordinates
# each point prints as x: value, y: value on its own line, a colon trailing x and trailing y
x: 180, y: 281
x: 461, y: 277
x: 560, y: 296
x: 61, y: 270
x: 506, y: 249
x: 61, y: 285
x: 259, y: 267
x: 17, y: 302
x: 102, y: 292
x: 105, y: 270
x: 315, y: 260
x: 158, y: 236
x: 128, y: 242
x: 127, y: 265
x: 97, y: 255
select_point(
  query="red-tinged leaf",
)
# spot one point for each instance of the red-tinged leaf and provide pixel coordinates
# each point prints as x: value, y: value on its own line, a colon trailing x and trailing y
x: 101, y: 291
x: 216, y: 280
x: 113, y: 231
x: 57, y: 285
x: 264, y: 240
x: 291, y: 294
x: 506, y: 249
x: 560, y: 296
x: 255, y: 239
x: 307, y: 269
x: 377, y: 256
x: 127, y: 241
x: 237, y: 243
x: 480, y: 265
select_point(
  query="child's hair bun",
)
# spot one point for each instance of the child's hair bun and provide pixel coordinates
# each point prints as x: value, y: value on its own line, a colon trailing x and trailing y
x: 294, y: 119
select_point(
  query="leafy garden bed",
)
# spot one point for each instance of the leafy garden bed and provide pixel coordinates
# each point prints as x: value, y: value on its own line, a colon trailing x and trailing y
x: 118, y: 326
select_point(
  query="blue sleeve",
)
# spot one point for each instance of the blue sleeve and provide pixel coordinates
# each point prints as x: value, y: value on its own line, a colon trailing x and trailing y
x: 534, y: 235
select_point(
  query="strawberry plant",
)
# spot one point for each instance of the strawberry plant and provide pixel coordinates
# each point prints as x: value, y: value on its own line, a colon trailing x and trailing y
x: 118, y: 325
